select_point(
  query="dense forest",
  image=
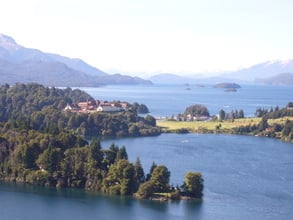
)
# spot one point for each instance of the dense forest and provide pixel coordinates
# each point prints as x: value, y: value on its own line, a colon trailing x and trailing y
x: 33, y: 106
x: 282, y: 129
x: 42, y: 144
x: 67, y: 160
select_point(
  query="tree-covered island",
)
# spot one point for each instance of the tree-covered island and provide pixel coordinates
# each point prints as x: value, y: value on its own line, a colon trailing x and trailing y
x: 42, y: 143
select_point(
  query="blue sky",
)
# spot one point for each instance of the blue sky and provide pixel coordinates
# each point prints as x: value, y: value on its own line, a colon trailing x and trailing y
x: 144, y: 37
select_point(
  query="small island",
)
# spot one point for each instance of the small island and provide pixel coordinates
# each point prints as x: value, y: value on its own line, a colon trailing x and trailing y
x: 229, y: 87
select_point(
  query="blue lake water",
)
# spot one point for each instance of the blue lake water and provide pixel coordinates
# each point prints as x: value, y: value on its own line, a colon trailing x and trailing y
x: 168, y: 100
x: 245, y: 177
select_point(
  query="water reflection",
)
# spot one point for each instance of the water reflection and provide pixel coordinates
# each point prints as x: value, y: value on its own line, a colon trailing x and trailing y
x: 154, y: 205
x: 79, y: 204
x: 194, y: 208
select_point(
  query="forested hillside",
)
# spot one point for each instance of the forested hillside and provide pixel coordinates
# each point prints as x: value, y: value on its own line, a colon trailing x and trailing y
x: 33, y: 106
x: 42, y: 144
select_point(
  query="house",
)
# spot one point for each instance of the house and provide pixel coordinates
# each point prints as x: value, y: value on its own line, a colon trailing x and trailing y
x: 97, y: 105
x: 124, y: 105
x: 109, y: 108
x: 72, y: 108
x: 89, y: 105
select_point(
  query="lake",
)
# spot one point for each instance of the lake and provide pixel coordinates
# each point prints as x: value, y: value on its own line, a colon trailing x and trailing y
x: 168, y: 100
x: 245, y: 177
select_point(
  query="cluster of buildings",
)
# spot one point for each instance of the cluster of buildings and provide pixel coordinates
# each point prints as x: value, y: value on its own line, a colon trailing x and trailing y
x: 97, y: 106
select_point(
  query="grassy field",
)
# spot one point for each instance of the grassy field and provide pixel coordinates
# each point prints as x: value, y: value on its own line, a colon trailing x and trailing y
x: 198, y: 126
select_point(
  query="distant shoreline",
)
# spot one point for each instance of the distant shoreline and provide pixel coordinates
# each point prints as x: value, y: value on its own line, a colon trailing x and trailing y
x: 218, y: 127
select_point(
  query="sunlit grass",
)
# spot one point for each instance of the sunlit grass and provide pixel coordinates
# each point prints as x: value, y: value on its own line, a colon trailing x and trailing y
x: 212, y: 125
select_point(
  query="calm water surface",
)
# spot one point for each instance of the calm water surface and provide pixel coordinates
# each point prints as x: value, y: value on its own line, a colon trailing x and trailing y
x: 168, y: 100
x: 245, y: 178
x: 20, y: 202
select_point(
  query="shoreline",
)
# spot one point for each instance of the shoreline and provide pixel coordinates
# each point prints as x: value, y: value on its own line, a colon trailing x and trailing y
x: 224, y: 127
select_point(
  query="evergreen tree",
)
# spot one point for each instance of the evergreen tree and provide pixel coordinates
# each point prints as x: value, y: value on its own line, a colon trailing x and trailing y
x: 241, y: 114
x: 161, y: 177
x: 49, y: 160
x: 222, y: 114
x: 193, y: 184
x: 153, y: 166
x: 96, y: 152
x: 263, y: 124
x: 120, y: 178
x: 122, y: 154
x: 139, y: 172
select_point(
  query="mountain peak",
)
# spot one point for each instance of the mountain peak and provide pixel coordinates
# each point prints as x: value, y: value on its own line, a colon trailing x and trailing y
x: 8, y: 42
x: 279, y: 62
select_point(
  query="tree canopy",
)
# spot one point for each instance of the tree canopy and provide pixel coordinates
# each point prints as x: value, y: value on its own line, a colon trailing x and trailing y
x: 197, y: 110
x: 193, y: 184
x: 33, y: 106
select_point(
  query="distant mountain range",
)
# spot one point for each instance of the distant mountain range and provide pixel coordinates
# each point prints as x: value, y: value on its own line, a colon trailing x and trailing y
x: 283, y: 79
x: 263, y: 70
x: 271, y: 72
x: 19, y: 64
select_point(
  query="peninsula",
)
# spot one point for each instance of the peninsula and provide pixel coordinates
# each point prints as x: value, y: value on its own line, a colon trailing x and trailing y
x: 42, y: 142
x: 275, y: 123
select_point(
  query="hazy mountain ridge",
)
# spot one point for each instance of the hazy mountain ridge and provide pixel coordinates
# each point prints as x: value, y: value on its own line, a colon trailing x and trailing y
x: 261, y: 70
x: 20, y: 64
x: 282, y: 79
x: 47, y: 73
x: 255, y: 74
x: 13, y: 52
